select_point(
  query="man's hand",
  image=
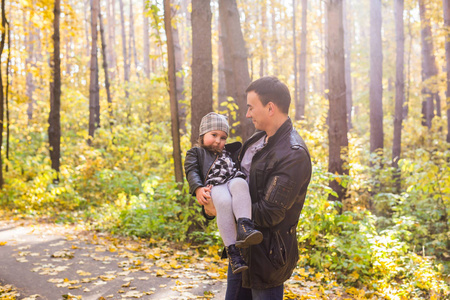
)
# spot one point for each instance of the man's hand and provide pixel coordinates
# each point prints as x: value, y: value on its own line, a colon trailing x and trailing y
x: 203, y: 195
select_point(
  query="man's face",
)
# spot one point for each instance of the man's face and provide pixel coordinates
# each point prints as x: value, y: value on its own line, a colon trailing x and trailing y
x: 257, y: 111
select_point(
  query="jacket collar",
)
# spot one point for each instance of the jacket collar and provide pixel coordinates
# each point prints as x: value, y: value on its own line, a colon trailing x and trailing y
x: 284, y: 129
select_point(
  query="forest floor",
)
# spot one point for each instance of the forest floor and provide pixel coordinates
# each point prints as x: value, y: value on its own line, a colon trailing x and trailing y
x: 44, y: 260
x: 50, y: 261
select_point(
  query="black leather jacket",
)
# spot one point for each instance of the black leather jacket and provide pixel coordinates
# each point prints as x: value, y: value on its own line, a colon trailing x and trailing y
x: 279, y: 176
x: 198, y: 163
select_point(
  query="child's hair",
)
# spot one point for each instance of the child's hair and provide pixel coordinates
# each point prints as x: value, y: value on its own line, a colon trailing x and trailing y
x: 200, y: 142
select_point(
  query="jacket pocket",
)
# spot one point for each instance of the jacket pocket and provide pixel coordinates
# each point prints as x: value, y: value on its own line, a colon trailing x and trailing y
x: 277, y: 250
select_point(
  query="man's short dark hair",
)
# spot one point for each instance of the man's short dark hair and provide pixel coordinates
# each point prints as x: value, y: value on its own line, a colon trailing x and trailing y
x: 271, y: 89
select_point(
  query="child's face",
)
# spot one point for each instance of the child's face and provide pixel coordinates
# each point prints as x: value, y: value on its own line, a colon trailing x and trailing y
x: 215, y: 139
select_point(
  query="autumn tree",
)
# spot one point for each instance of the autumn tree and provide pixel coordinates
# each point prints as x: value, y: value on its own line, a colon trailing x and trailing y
x: 146, y: 40
x: 126, y: 64
x: 429, y: 69
x: 294, y: 50
x: 94, y: 96
x: 105, y: 66
x: 173, y: 93
x: 446, y: 5
x: 302, y: 75
x: 237, y: 77
x: 182, y: 109
x: 376, y: 78
x: 2, y: 95
x: 337, y: 132
x: 348, y: 68
x: 29, y: 46
x: 132, y: 40
x: 202, y: 68
x: 399, y: 86
x: 111, y: 15
x: 54, y: 120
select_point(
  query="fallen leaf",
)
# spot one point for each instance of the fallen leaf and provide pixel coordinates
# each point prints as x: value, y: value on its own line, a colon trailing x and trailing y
x: 3, y: 243
x: 128, y: 279
x: 143, y: 278
x: 83, y: 273
x: 74, y: 287
x: 107, y: 277
x: 126, y: 284
x: 133, y: 294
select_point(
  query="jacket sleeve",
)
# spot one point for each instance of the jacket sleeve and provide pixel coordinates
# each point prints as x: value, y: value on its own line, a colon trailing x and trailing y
x: 192, y: 170
x: 283, y: 186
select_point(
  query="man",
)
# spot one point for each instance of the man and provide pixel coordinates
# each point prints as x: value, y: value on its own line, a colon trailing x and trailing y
x: 277, y: 163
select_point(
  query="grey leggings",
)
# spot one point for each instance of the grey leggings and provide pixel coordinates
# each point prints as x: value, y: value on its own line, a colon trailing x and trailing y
x: 232, y: 201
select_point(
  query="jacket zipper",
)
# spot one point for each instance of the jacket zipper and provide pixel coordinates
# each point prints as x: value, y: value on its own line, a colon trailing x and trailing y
x: 272, y: 186
x: 206, y: 177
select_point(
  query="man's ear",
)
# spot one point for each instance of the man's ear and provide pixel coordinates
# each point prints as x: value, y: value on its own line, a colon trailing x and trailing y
x: 271, y: 108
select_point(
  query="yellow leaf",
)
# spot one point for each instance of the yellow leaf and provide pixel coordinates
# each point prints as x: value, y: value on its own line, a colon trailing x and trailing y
x: 74, y: 287
x: 3, y: 243
x: 83, y: 273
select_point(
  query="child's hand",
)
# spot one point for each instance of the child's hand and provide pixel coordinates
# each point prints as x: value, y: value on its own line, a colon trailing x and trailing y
x: 203, y: 195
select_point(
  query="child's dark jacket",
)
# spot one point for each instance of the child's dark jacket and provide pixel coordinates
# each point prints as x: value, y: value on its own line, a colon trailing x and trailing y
x: 198, y: 162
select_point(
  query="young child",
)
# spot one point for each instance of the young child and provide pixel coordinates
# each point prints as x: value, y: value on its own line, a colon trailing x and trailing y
x: 212, y: 175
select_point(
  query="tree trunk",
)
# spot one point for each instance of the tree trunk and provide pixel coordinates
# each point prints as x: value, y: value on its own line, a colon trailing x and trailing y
x: 408, y: 73
x: 146, y: 38
x: 94, y: 103
x: 29, y: 46
x: 429, y: 69
x: 182, y: 113
x: 202, y: 68
x: 54, y: 120
x: 447, y: 57
x: 105, y: 67
x: 302, y: 77
x: 348, y: 70
x: 337, y: 133
x: 326, y: 48
x: 222, y: 89
x: 8, y: 61
x: 263, y: 38
x: 236, y: 58
x: 274, y: 44
x: 173, y: 94
x: 2, y: 95
x: 111, y: 15
x: 86, y: 24
x: 133, y: 40
x: 399, y: 88
x: 294, y: 50
x: 126, y: 66
x: 376, y: 77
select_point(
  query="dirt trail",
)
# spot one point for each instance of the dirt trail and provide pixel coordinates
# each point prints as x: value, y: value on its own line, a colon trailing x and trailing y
x: 65, y: 262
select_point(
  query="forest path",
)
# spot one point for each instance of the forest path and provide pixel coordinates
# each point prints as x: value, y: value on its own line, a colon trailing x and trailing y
x: 51, y: 261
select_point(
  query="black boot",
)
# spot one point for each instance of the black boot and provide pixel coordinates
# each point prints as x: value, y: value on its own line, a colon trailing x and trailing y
x: 247, y: 235
x: 236, y: 260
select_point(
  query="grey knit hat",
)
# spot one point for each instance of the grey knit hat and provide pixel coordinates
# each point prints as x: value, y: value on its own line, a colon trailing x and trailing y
x: 213, y: 121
